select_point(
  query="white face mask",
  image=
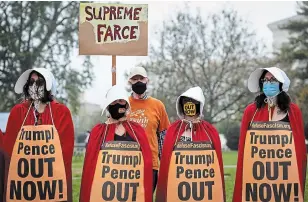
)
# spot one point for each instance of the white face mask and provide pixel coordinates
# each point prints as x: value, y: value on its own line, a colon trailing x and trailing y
x: 36, y: 93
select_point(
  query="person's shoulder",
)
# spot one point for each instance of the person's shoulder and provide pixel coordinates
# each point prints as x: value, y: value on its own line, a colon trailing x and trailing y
x: 130, y: 98
x: 59, y: 106
x: 294, y: 107
x: 208, y: 124
x: 98, y: 126
x: 251, y: 107
x: 18, y: 107
x: 175, y: 123
x: 97, y: 129
x: 156, y: 101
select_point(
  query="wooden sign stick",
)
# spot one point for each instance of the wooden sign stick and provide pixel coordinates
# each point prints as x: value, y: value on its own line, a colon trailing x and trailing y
x: 114, y: 70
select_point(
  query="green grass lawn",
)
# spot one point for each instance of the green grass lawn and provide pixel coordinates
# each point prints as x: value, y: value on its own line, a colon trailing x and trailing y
x: 77, y: 171
x: 229, y: 158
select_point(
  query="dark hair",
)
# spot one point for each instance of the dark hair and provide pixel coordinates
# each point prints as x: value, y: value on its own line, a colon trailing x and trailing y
x: 283, y: 99
x: 47, y: 94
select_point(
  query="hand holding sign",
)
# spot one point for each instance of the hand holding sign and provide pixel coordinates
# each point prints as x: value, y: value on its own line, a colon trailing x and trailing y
x: 113, y: 29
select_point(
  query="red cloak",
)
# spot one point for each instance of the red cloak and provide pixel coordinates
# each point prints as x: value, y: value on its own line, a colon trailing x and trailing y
x: 93, y: 148
x: 297, y: 126
x: 161, y: 193
x: 63, y: 123
x: 1, y: 167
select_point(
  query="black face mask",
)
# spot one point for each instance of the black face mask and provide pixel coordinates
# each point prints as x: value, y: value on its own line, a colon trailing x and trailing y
x: 114, y: 111
x: 139, y: 87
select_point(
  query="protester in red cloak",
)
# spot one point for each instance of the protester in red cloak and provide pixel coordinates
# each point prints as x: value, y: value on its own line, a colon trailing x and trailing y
x: 268, y: 107
x: 1, y: 167
x: 204, y: 132
x: 118, y: 129
x: 39, y: 114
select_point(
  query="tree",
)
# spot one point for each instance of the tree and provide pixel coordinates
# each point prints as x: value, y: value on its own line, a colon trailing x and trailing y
x: 295, y: 53
x: 297, y: 48
x: 216, y: 54
x: 41, y: 34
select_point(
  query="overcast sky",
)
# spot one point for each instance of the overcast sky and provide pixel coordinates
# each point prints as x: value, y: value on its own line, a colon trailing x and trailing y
x: 259, y: 14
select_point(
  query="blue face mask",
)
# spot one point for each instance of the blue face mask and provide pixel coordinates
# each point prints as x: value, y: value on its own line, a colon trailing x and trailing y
x: 271, y: 89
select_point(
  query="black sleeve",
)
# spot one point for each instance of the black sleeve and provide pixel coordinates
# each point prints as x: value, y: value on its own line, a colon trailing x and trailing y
x: 161, y: 137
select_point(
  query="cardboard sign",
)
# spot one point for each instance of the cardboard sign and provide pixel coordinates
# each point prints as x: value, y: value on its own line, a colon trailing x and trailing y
x: 36, y: 171
x: 119, y: 174
x: 270, y: 171
x: 113, y: 29
x: 194, y: 173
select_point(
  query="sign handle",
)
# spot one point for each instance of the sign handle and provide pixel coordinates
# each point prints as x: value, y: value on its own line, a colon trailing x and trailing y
x: 114, y: 70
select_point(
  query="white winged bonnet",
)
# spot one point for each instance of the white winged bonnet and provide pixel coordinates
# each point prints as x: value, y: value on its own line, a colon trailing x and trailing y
x: 116, y: 92
x: 280, y: 75
x: 195, y: 93
x: 48, y: 76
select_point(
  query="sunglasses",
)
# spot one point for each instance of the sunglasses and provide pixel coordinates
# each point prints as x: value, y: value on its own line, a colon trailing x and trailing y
x: 39, y: 82
x: 271, y: 80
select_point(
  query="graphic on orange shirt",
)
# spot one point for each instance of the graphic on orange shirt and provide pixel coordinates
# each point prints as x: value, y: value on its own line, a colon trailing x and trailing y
x: 119, y: 174
x: 139, y: 116
x: 194, y: 173
x: 37, y: 170
x: 270, y: 171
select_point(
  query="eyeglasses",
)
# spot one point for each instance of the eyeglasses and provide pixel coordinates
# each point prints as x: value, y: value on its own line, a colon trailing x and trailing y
x: 271, y: 80
x: 39, y: 82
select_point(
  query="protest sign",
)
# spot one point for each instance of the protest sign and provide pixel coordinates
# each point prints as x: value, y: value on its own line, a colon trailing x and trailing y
x: 270, y: 171
x: 113, y: 29
x: 194, y: 173
x: 119, y: 174
x: 36, y: 171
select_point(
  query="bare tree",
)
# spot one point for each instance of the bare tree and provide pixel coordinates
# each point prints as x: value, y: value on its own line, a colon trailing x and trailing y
x: 216, y: 54
x: 41, y: 34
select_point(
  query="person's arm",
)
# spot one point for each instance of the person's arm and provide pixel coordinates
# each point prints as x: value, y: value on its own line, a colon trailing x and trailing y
x: 217, y: 146
x: 237, y: 193
x: 12, y: 128
x: 88, y: 170
x: 65, y: 128
x: 301, y: 142
x: 1, y: 167
x: 162, y: 129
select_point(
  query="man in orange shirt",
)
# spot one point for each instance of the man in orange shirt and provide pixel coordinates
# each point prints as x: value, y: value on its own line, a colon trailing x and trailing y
x: 150, y: 113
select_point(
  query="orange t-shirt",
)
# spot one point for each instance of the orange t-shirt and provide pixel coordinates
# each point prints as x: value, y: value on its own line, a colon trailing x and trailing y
x: 151, y: 114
